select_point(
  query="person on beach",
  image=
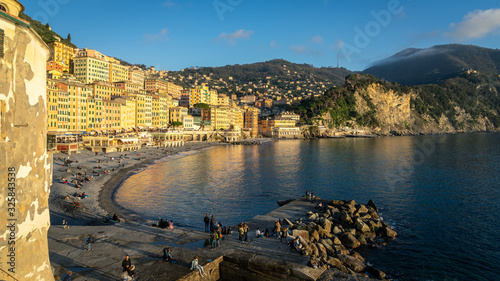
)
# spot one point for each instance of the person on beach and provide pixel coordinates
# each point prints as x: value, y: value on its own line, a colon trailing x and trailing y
x: 88, y: 242
x: 213, y: 239
x: 219, y: 237
x: 212, y: 223
x: 206, y: 219
x: 196, y: 265
x: 245, y: 234
x: 126, y: 263
x: 68, y: 276
x: 283, y: 234
x: 224, y: 231
x: 171, y: 224
x: 266, y: 233
x: 229, y: 231
x: 65, y: 224
x: 131, y: 272
x: 241, y: 232
x: 167, y: 254
x: 313, y: 261
x: 258, y: 234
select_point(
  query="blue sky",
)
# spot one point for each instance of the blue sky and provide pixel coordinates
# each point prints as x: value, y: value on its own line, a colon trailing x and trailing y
x: 174, y: 34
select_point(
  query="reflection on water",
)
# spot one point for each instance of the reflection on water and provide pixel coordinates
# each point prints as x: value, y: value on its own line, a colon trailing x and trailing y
x: 440, y: 192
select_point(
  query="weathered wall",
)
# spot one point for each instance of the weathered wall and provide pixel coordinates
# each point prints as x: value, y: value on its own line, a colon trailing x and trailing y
x: 25, y: 165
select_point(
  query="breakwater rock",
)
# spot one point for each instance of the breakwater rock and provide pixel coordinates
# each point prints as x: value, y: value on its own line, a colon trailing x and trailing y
x: 247, y: 142
x: 337, y: 229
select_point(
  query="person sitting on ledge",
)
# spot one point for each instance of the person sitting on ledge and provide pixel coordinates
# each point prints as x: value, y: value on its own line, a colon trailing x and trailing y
x: 258, y: 234
x: 313, y: 261
x: 229, y: 231
x: 167, y: 254
x: 266, y: 233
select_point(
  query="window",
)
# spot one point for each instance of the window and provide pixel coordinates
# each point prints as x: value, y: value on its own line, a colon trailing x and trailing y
x: 2, y: 8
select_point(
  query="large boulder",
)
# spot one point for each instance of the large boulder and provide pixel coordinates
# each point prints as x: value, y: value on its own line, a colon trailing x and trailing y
x: 376, y: 272
x: 352, y: 263
x: 361, y: 209
x: 358, y: 256
x: 349, y: 209
x: 323, y: 234
x: 301, y: 233
x: 349, y: 241
x: 327, y: 241
x: 336, y: 240
x: 326, y: 224
x: 350, y: 202
x: 337, y: 230
x: 314, y: 236
x: 314, y: 249
x: 322, y: 250
x: 344, y: 217
x: 389, y: 232
x: 361, y: 239
x: 303, y: 241
x: 362, y: 226
x: 329, y: 250
x: 287, y: 221
x: 313, y: 217
x: 372, y: 204
x: 340, y: 250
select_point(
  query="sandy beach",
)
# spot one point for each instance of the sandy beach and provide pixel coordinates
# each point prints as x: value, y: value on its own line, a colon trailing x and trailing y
x: 106, y: 172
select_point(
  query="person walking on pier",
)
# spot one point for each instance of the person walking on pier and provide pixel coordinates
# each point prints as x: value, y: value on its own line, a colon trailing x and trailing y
x: 88, y: 243
x: 207, y: 222
x: 126, y: 263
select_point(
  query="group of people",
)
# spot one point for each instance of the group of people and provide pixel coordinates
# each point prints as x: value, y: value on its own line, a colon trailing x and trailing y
x: 165, y: 223
x: 309, y: 195
x: 243, y: 232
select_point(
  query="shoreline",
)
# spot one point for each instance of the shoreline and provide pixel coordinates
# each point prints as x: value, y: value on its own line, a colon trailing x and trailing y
x: 100, y: 203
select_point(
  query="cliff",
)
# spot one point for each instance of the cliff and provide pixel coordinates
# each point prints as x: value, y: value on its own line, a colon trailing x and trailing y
x: 467, y: 103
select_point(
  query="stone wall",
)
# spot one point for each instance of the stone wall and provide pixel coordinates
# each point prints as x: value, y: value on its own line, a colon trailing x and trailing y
x: 25, y: 165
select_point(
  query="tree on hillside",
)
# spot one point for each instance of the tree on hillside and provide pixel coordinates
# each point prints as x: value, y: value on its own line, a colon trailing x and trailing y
x: 69, y: 38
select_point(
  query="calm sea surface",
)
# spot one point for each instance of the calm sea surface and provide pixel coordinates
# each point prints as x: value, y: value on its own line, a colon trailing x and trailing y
x: 441, y: 193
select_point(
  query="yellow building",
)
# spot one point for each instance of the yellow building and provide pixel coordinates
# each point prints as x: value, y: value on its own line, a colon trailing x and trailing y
x: 201, y: 94
x: 117, y: 72
x: 177, y: 114
x: 174, y: 90
x: 148, y: 110
x: 127, y: 112
x: 89, y: 69
x: 136, y: 75
x: 128, y: 86
x: 159, y: 111
x: 222, y: 99
x: 139, y: 109
x: 61, y: 54
x: 105, y: 90
x: 77, y: 94
x: 156, y: 85
x: 252, y: 121
x: 94, y: 114
x: 219, y: 117
x: 57, y: 109
x: 111, y: 111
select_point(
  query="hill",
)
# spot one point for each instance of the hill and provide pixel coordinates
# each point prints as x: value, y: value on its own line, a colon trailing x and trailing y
x: 467, y: 103
x: 275, y: 76
x: 45, y: 31
x: 432, y: 65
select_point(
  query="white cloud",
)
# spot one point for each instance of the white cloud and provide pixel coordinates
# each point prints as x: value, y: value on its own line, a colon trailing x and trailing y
x: 232, y: 37
x: 162, y: 36
x: 339, y: 45
x: 273, y: 44
x: 476, y: 24
x: 317, y: 39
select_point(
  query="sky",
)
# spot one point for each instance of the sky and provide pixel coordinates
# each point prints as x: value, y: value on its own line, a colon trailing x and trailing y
x: 175, y: 34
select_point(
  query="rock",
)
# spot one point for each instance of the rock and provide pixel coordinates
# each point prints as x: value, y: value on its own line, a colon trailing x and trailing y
x: 372, y: 204
x: 322, y: 250
x: 361, y: 226
x: 340, y: 250
x: 361, y: 208
x: 349, y: 241
x: 350, y: 230
x: 352, y: 263
x: 336, y: 240
x: 323, y: 234
x: 336, y: 203
x: 376, y: 273
x: 313, y: 225
x: 389, y: 232
x: 364, y: 216
x: 313, y: 217
x: 349, y: 209
x: 337, y: 230
x: 309, y: 213
x: 334, y: 262
x: 333, y: 210
x: 361, y: 239
x: 314, y: 249
x: 373, y: 214
x: 373, y: 226
x: 358, y: 256
x: 302, y: 226
x: 286, y: 221
x: 351, y: 202
x: 344, y: 217
x: 314, y: 234
x: 329, y: 250
x: 327, y: 241
x: 301, y: 233
x: 326, y: 224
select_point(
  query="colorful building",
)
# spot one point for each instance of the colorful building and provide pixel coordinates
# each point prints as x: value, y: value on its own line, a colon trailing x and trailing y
x: 61, y: 54
x: 89, y: 69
